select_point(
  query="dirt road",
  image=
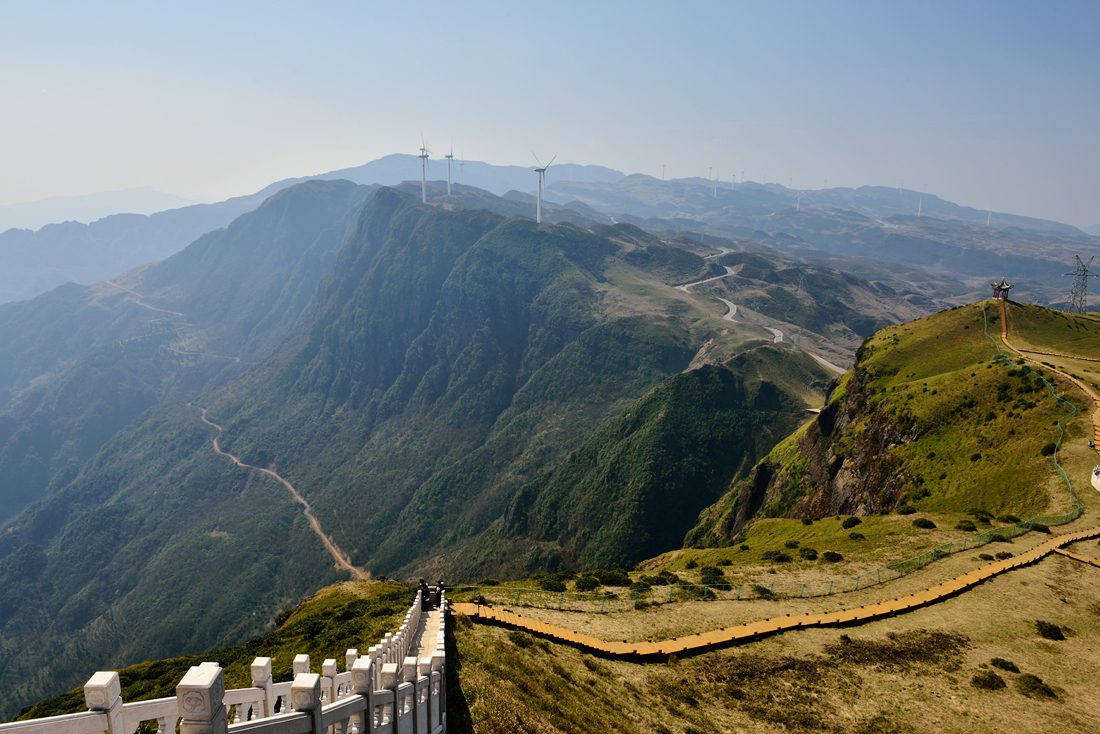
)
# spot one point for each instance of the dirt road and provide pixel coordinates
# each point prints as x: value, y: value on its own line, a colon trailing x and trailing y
x: 342, y: 559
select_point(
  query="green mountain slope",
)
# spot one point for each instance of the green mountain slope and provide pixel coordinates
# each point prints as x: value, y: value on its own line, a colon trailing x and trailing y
x: 926, y: 418
x: 82, y: 362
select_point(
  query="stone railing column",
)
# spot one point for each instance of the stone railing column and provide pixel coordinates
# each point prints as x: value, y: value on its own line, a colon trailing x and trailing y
x: 305, y: 695
x: 301, y: 664
x: 362, y: 684
x: 261, y: 678
x: 328, y: 680
x: 199, y: 698
x: 103, y: 692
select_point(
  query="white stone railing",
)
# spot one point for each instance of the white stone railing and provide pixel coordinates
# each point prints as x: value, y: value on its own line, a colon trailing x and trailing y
x: 398, y: 687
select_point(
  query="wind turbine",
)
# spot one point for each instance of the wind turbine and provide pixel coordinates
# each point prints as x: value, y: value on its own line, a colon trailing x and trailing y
x: 798, y: 208
x: 662, y: 171
x: 461, y: 178
x: 920, y: 206
x: 988, y: 217
x: 423, y: 170
x: 541, y: 171
x: 450, y: 156
x: 716, y: 184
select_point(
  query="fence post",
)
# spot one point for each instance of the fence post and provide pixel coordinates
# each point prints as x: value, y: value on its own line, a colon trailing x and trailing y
x: 362, y: 684
x: 261, y: 678
x: 328, y: 679
x: 305, y: 695
x: 103, y: 692
x: 301, y: 664
x: 199, y: 698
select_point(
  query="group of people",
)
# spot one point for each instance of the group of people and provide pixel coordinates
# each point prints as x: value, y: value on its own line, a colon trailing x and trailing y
x: 430, y: 596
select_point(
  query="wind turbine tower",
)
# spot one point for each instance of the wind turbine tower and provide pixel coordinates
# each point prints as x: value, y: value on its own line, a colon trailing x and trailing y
x: 423, y: 170
x: 989, y: 215
x: 716, y: 184
x: 541, y: 171
x: 798, y: 205
x: 662, y: 171
x: 450, y: 157
x: 461, y: 165
x: 920, y: 206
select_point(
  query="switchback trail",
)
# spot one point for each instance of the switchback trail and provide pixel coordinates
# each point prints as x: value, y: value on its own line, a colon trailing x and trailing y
x: 775, y: 625
x: 342, y: 559
x: 145, y: 305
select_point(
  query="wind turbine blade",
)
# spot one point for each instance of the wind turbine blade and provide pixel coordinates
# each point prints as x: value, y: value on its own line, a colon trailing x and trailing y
x: 551, y: 161
x: 537, y: 159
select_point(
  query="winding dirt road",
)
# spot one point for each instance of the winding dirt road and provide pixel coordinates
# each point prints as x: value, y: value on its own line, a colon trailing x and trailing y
x: 342, y: 559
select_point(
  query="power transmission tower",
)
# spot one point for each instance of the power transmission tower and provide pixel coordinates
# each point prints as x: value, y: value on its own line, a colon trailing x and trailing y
x: 1078, y: 294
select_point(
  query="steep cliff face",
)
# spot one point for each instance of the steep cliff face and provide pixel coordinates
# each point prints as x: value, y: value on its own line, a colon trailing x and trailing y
x: 840, y: 463
x: 931, y: 416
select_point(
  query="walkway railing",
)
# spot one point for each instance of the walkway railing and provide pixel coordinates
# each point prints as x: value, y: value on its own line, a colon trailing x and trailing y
x: 398, y: 687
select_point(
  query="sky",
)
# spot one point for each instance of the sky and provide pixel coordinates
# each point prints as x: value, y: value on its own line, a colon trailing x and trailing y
x: 994, y: 105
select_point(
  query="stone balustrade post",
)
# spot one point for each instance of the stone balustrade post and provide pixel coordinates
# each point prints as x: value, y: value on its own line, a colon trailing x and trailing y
x: 199, y: 697
x: 103, y: 692
x: 362, y: 684
x: 261, y: 678
x: 328, y: 680
x: 305, y: 695
x: 301, y: 664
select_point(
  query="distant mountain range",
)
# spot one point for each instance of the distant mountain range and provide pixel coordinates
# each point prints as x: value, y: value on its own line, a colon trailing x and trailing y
x: 87, y: 208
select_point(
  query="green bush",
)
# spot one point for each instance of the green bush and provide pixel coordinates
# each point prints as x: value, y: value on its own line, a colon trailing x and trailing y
x: 792, y: 544
x: 1049, y: 630
x: 488, y: 582
x: 1011, y: 519
x: 1032, y: 685
x: 551, y: 584
x: 780, y: 557
x: 807, y: 521
x: 807, y: 554
x: 616, y: 577
x: 988, y: 680
x: 850, y: 522
x: 744, y: 547
x: 587, y: 583
x: 762, y: 591
x: 985, y: 556
x: 1004, y: 665
x: 1048, y: 449
x: 1003, y: 556
x: 855, y: 536
x: 520, y: 639
x: 724, y: 562
x: 1040, y: 528
x: 975, y: 457
x: 832, y: 557
x: 906, y: 510
x: 966, y: 526
x: 691, y: 564
x: 924, y: 523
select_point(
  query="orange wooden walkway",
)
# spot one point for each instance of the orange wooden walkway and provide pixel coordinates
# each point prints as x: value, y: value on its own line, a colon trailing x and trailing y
x: 750, y: 630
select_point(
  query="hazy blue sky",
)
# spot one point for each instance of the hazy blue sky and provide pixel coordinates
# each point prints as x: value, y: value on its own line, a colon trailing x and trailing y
x: 990, y: 104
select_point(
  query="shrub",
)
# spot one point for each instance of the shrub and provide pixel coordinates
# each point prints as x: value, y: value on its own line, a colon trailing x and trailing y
x: 924, y: 523
x: 832, y: 557
x: 762, y: 591
x: 1004, y: 665
x: 906, y: 510
x: 807, y: 521
x: 587, y: 583
x: 850, y: 522
x: 744, y: 547
x: 551, y: 584
x: 780, y: 557
x: 1048, y: 449
x: 920, y: 494
x: 617, y: 577
x: 988, y: 680
x: 990, y: 416
x: 966, y: 526
x: 724, y: 562
x: 712, y: 575
x: 792, y: 544
x: 807, y: 554
x: 855, y: 536
x: 1003, y: 556
x: 691, y: 564
x: 1049, y: 630
x: 1040, y: 528
x: 1032, y: 685
x: 1012, y: 519
x: 488, y: 582
x: 985, y: 556
x: 520, y: 639
x: 975, y: 457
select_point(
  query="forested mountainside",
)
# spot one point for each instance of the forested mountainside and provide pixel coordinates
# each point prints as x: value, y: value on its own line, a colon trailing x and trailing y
x: 81, y: 362
x: 448, y: 361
